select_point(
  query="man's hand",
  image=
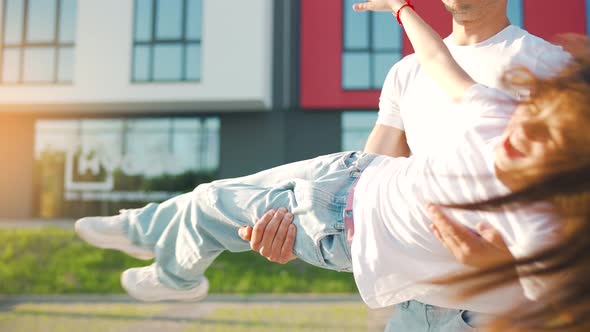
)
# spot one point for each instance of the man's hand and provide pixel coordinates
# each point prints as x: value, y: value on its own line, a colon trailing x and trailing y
x: 481, y: 249
x: 273, y: 236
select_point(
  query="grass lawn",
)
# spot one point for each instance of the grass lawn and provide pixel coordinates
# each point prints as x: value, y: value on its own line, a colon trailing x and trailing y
x: 55, y: 261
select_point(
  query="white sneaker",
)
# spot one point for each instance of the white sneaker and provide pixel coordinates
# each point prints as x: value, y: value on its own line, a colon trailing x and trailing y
x: 109, y: 233
x: 143, y: 284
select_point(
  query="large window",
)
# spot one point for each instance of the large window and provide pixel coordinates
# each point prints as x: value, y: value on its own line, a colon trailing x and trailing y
x: 38, y: 38
x: 97, y: 166
x: 356, y: 127
x: 372, y: 44
x: 167, y: 40
x: 515, y: 12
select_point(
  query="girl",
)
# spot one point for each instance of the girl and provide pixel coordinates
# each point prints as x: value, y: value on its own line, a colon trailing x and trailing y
x: 392, y: 253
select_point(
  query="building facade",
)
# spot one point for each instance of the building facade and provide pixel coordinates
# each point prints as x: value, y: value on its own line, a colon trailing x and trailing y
x: 108, y: 104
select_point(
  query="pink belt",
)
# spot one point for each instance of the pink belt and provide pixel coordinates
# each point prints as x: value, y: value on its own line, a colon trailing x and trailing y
x: 348, y: 214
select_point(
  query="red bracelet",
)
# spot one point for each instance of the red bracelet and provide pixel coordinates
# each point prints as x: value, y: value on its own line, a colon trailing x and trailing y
x: 400, y: 10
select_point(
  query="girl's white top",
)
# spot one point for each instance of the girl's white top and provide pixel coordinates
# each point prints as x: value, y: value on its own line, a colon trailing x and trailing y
x: 394, y: 252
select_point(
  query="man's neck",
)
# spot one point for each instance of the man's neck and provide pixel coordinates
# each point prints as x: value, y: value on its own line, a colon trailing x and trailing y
x: 469, y: 33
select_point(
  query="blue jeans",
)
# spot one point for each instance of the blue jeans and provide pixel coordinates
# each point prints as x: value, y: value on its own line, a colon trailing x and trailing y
x: 414, y: 316
x: 189, y: 231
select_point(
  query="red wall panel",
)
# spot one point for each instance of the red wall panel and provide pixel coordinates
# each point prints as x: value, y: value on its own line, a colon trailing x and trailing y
x: 321, y: 59
x: 546, y: 18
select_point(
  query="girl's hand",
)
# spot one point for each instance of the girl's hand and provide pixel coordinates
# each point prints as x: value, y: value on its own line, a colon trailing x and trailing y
x: 379, y: 5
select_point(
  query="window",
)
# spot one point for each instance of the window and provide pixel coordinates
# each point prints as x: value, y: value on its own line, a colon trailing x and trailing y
x: 356, y: 127
x: 38, y: 41
x: 97, y: 166
x: 167, y: 40
x: 515, y: 12
x: 372, y: 44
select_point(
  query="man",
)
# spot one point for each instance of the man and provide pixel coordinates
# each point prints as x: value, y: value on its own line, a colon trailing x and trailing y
x: 415, y: 115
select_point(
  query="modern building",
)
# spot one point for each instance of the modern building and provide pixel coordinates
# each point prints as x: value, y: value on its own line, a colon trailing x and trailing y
x: 106, y: 104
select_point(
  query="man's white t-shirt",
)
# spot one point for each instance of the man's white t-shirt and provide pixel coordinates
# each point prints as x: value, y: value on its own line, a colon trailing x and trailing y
x: 411, y: 101
x: 395, y: 254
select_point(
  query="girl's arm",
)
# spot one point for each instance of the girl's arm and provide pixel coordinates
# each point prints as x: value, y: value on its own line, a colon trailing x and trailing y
x: 433, y: 54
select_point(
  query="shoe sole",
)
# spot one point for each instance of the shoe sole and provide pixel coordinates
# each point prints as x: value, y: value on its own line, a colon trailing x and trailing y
x: 134, y: 295
x: 89, y: 236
